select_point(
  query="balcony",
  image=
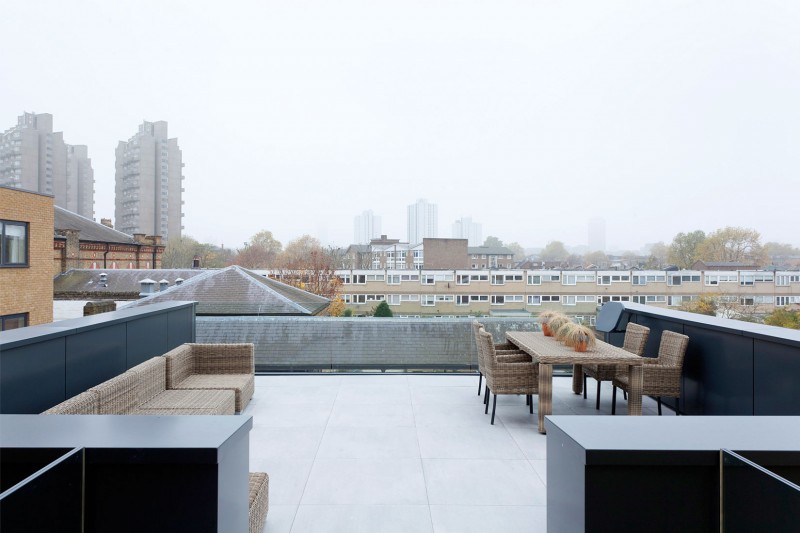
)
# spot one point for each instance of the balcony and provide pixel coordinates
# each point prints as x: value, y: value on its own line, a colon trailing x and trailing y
x: 390, y: 450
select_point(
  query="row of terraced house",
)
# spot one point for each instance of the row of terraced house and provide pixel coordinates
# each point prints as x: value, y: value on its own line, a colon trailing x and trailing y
x: 579, y: 293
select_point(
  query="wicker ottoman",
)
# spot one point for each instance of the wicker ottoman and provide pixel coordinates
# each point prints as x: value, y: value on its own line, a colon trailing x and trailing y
x: 259, y: 500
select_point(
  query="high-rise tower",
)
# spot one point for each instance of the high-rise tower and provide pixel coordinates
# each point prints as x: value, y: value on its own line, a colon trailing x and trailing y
x: 149, y: 187
x: 423, y: 221
x: 366, y: 227
x: 35, y: 158
x: 465, y: 228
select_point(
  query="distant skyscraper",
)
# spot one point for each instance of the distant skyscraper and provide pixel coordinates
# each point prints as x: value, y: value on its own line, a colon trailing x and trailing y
x: 35, y: 158
x: 423, y: 221
x: 597, y: 234
x: 149, y: 185
x: 366, y: 227
x: 465, y: 228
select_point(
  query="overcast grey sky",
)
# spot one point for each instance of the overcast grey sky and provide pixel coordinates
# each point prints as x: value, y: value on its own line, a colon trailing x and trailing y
x: 530, y: 116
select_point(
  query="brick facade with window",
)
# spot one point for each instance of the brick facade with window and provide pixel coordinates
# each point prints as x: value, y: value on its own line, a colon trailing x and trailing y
x: 28, y: 287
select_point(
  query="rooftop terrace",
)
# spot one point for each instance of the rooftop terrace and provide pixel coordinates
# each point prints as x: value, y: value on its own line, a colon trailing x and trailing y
x: 407, y: 452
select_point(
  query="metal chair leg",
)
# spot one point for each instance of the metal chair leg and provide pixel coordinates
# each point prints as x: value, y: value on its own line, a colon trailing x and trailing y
x: 494, y: 406
x: 530, y: 402
x: 659, y: 405
x: 597, y: 405
x: 584, y: 386
x: 480, y: 379
x: 486, y: 401
x: 614, y: 402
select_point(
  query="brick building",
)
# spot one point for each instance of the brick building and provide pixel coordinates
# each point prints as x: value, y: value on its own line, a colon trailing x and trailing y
x: 26, y: 277
x: 82, y: 243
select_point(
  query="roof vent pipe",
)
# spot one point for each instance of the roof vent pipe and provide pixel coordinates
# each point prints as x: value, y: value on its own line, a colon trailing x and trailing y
x: 147, y: 287
x: 178, y: 281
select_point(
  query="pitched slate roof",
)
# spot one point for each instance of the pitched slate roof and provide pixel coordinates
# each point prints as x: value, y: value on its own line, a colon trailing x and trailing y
x: 89, y: 229
x: 122, y: 284
x: 237, y: 291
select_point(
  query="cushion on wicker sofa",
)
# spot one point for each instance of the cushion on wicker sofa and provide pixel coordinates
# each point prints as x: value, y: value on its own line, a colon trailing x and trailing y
x: 213, y: 366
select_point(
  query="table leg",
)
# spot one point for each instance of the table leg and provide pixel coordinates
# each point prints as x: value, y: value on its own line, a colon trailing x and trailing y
x: 577, y: 379
x: 635, y: 392
x: 545, y: 393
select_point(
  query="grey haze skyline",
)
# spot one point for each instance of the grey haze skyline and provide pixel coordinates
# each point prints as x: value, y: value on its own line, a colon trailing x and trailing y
x: 532, y: 117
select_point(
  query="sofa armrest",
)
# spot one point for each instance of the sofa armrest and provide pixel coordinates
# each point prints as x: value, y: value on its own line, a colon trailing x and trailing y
x: 224, y: 358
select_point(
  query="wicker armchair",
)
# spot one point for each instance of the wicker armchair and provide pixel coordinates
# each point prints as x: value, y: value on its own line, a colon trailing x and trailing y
x: 508, y: 353
x: 635, y: 341
x: 661, y: 376
x: 506, y: 377
x: 213, y: 366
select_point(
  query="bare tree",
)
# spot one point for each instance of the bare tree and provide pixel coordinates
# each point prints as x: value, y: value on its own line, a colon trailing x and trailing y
x: 741, y: 245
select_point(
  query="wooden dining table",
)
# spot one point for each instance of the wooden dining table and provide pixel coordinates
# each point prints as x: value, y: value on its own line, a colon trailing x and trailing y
x: 547, y: 351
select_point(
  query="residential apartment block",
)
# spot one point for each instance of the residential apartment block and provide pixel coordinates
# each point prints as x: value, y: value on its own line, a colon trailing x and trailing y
x: 149, y: 183
x: 577, y: 293
x: 35, y: 158
x: 26, y: 247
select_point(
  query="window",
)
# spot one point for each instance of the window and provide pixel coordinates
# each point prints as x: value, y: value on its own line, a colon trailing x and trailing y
x: 650, y: 299
x: 429, y: 300
x: 498, y: 279
x: 750, y: 279
x: 393, y: 279
x: 534, y: 279
x: 572, y: 279
x: 14, y: 243
x: 479, y: 298
x: 780, y: 301
x: 359, y: 279
x: 462, y: 299
x: 345, y: 278
x: 535, y: 299
x: 680, y: 300
x: 716, y: 279
x: 462, y: 279
x: 427, y: 279
x: 375, y: 277
x: 783, y: 280
x: 393, y: 299
x: 498, y: 299
x: 19, y: 320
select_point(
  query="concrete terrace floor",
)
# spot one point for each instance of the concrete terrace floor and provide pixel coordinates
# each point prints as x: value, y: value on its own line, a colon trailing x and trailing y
x: 404, y: 452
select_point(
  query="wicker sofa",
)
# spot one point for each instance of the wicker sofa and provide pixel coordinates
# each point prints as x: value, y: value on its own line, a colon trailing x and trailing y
x: 195, y: 366
x: 142, y: 391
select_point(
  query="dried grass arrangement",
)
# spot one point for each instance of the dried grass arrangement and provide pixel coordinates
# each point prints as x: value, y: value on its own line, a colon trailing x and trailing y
x: 557, y: 321
x: 580, y: 337
x: 544, y: 320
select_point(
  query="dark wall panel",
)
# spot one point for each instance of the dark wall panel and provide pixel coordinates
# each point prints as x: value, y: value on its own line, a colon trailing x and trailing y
x: 776, y: 373
x: 94, y: 356
x: 37, y: 367
x: 181, y: 328
x: 146, y: 338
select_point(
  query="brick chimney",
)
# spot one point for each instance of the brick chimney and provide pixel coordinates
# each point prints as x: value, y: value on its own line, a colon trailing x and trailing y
x: 107, y: 222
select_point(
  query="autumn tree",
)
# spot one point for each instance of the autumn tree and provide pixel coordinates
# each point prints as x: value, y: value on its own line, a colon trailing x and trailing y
x: 732, y: 244
x: 180, y: 253
x: 518, y: 251
x: 777, y: 251
x: 705, y: 305
x: 684, y: 250
x: 658, y: 256
x: 596, y: 258
x: 492, y: 242
x: 260, y: 252
x: 304, y: 263
x: 554, y: 252
x: 785, y: 318
x: 336, y: 307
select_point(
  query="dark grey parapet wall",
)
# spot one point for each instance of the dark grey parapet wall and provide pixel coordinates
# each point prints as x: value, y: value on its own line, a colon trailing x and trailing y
x: 323, y: 343
x: 41, y: 366
x: 731, y: 368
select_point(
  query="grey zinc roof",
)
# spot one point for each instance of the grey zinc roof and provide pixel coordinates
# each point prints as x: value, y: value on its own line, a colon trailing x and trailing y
x: 237, y: 291
x: 89, y: 229
x: 122, y: 283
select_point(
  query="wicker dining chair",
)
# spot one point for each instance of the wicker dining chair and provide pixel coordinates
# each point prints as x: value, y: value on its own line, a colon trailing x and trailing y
x: 507, y: 352
x: 635, y: 341
x: 661, y: 376
x: 506, y: 377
